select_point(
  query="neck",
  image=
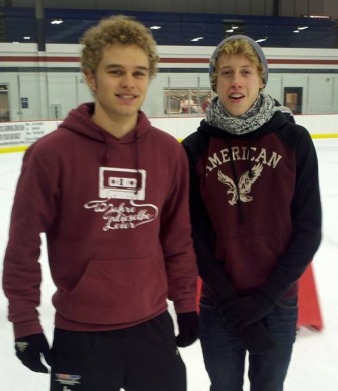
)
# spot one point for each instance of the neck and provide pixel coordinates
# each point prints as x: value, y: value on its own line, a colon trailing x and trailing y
x: 118, y: 126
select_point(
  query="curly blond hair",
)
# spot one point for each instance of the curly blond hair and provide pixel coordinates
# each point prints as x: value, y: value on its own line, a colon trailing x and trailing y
x: 119, y: 29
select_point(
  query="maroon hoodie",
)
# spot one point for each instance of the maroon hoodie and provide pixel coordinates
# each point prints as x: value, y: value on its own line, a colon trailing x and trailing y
x: 115, y: 214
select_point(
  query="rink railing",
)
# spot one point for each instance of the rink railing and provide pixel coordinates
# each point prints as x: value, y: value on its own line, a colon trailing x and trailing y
x: 18, y: 136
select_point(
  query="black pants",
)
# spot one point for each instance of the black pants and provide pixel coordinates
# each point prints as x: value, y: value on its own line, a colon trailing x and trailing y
x: 139, y: 358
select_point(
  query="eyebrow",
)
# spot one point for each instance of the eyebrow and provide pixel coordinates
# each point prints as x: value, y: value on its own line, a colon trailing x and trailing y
x: 138, y: 67
x: 242, y: 66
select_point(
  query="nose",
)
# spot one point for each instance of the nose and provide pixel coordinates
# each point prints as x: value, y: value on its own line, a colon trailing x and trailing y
x: 127, y: 81
x: 237, y: 79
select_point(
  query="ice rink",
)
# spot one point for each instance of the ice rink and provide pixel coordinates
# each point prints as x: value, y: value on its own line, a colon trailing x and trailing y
x: 315, y: 359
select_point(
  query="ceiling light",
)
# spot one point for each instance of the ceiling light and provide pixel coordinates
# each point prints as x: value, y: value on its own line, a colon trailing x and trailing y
x: 155, y: 27
x: 56, y: 21
x: 196, y: 39
x: 261, y: 39
x: 303, y: 28
x: 317, y: 16
x: 296, y: 31
x: 229, y: 31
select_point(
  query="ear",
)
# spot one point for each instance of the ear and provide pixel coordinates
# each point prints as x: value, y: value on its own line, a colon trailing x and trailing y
x: 90, y: 79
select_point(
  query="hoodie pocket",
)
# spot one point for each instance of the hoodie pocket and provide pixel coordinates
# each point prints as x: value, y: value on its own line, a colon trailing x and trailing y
x: 116, y: 291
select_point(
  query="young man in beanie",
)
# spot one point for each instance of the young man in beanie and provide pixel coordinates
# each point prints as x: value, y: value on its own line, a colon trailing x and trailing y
x: 256, y: 216
x: 111, y: 193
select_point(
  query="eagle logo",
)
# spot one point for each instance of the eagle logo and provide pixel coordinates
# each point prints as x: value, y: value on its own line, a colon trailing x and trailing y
x: 245, y: 183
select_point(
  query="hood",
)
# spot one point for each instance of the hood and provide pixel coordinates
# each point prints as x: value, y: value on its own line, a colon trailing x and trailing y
x: 79, y: 121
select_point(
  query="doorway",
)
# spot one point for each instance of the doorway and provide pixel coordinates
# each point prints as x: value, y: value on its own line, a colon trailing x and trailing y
x: 4, y: 103
x: 293, y: 99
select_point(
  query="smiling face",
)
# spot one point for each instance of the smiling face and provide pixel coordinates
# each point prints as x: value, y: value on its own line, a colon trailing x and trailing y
x: 120, y: 83
x: 238, y: 83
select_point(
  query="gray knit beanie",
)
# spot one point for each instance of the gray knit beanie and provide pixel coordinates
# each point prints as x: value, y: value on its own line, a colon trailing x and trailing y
x: 254, y: 44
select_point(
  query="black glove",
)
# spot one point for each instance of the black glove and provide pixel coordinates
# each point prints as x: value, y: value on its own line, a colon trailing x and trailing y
x: 256, y: 338
x: 240, y: 313
x: 188, y: 328
x: 29, y: 350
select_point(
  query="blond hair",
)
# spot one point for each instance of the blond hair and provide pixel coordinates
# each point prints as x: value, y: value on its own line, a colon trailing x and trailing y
x: 117, y: 29
x: 240, y: 47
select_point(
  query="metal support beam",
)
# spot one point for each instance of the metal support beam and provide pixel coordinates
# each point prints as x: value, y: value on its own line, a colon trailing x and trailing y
x: 40, y: 25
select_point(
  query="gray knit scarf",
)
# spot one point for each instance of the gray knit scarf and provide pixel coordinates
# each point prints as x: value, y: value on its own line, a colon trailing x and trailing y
x: 260, y: 113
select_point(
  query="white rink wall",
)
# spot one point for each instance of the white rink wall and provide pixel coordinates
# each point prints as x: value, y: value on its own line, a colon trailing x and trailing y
x: 17, y: 136
x: 320, y: 126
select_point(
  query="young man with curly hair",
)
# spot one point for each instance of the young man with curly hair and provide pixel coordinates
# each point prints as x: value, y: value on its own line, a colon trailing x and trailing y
x: 110, y: 192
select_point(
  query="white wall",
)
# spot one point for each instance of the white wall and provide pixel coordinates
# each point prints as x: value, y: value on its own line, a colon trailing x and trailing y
x: 16, y: 136
x: 317, y: 125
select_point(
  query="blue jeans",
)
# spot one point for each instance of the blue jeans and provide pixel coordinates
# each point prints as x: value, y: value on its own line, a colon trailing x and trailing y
x: 224, y: 353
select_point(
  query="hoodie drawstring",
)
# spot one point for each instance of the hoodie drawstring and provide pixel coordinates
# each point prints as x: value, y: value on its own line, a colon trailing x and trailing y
x: 138, y: 173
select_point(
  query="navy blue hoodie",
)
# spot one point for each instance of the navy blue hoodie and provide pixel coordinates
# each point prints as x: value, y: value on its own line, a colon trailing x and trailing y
x: 255, y: 206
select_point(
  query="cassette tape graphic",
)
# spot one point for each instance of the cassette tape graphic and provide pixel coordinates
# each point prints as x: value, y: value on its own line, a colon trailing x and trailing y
x: 122, y: 183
